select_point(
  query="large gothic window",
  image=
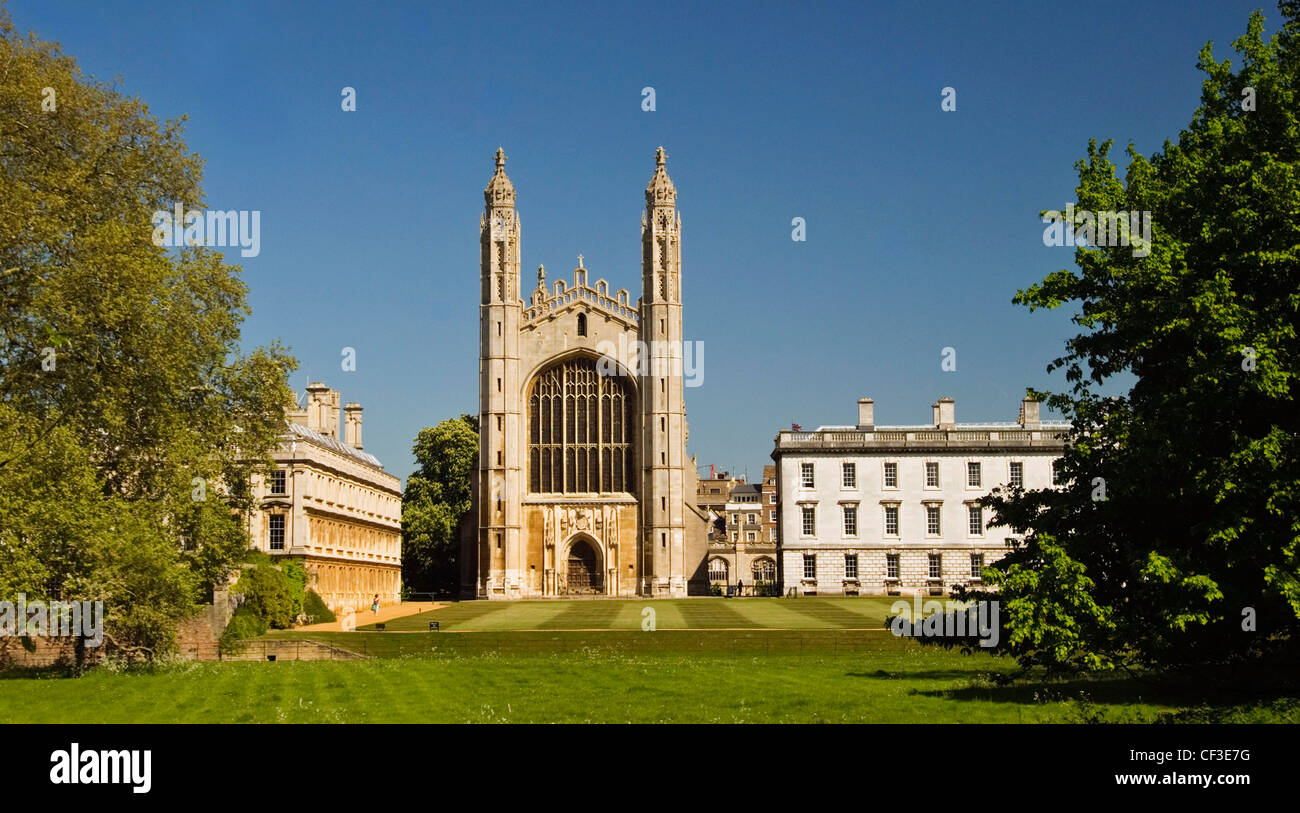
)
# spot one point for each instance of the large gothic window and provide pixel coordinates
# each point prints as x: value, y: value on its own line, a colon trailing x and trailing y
x: 581, y: 430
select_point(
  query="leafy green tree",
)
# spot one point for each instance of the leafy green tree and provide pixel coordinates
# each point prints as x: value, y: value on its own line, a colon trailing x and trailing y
x: 436, y: 498
x: 128, y: 415
x: 296, y: 575
x: 268, y: 593
x: 1175, y: 540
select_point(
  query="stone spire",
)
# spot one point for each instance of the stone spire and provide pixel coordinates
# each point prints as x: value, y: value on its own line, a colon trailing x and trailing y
x: 541, y: 276
x: 660, y: 191
x: 499, y: 191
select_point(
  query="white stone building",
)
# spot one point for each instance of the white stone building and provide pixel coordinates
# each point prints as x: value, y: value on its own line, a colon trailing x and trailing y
x: 331, y: 506
x: 876, y: 510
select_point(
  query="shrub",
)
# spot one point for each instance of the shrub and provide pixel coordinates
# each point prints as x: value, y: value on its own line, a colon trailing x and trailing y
x: 267, y: 593
x: 316, y: 611
x: 297, y: 578
x: 244, y: 624
x: 257, y: 557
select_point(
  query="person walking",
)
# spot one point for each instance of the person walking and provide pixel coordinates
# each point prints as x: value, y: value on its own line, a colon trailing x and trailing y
x: 374, y: 605
x: 740, y: 587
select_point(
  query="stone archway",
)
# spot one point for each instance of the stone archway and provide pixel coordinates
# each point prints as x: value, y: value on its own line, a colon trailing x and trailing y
x: 583, y: 574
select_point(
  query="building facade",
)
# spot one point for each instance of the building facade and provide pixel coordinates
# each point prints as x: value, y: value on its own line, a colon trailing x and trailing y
x: 711, y: 498
x: 331, y: 506
x: 712, y: 492
x: 874, y: 510
x: 744, y: 558
x: 771, y: 532
x: 583, y: 485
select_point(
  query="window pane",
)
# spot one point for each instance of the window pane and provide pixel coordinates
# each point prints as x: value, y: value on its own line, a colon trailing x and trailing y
x: 578, y: 434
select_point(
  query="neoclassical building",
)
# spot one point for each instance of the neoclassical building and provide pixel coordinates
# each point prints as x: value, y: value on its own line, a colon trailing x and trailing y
x: 330, y: 505
x: 868, y: 509
x: 584, y: 486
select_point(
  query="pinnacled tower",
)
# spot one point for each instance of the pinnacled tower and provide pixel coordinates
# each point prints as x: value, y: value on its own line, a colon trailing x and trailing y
x: 663, y: 410
x: 499, y: 482
x: 583, y: 484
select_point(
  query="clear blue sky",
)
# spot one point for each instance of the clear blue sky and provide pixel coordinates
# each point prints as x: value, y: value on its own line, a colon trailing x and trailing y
x: 921, y: 224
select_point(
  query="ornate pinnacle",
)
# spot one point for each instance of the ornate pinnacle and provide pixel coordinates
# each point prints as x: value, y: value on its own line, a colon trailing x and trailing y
x: 499, y: 191
x: 660, y: 191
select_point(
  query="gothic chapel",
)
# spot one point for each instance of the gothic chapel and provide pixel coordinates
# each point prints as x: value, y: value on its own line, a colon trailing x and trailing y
x: 583, y: 484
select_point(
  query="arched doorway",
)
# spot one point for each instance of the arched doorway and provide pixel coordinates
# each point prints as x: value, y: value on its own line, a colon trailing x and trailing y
x: 582, y: 571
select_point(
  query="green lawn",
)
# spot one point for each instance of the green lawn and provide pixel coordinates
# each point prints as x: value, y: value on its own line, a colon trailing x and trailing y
x: 817, y: 660
x: 697, y: 613
x: 595, y: 685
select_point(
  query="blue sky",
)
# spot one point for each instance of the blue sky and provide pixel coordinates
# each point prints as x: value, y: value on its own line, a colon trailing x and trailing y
x: 921, y: 224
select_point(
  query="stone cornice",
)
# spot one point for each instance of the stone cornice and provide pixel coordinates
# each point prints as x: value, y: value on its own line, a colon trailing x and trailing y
x: 919, y: 441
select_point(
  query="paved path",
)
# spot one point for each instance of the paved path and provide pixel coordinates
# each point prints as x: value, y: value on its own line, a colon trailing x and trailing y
x: 386, y: 613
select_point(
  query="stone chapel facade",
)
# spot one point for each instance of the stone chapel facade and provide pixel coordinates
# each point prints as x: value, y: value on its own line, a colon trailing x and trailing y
x: 583, y: 484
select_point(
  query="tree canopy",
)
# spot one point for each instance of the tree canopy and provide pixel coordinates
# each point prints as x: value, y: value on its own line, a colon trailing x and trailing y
x: 1176, y: 540
x: 436, y: 498
x: 129, y: 418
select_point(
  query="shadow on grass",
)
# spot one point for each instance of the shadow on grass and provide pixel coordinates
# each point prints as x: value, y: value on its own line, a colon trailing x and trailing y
x: 918, y: 674
x: 1218, y: 695
x: 35, y: 672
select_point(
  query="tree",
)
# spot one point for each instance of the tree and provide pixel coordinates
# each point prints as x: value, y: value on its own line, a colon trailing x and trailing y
x: 1176, y: 538
x: 269, y: 593
x: 437, y: 496
x: 128, y: 416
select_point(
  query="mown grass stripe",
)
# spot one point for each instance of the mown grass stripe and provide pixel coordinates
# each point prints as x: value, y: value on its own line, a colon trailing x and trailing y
x: 778, y: 613
x: 827, y: 611
x: 714, y: 614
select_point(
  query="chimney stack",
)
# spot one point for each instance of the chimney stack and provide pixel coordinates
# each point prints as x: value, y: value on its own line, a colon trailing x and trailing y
x: 323, y: 409
x: 352, y: 425
x: 1029, y: 414
x: 945, y: 413
x: 866, y: 415
x: 298, y: 414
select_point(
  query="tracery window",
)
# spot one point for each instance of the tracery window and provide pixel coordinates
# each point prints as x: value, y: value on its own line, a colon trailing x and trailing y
x: 581, y: 430
x: 717, y: 570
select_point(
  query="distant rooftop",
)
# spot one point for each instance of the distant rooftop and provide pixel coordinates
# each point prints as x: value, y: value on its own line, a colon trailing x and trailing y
x: 921, y: 427
x: 334, y: 444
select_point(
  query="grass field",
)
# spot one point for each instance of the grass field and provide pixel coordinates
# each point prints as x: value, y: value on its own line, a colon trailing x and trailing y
x: 748, y: 660
x: 670, y: 614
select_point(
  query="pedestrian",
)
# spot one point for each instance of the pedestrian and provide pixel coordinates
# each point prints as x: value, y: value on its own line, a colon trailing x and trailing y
x: 374, y: 605
x: 740, y: 587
